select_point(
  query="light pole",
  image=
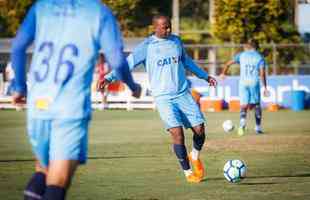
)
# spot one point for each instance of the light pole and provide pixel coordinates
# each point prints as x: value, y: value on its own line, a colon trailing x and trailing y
x: 176, y: 17
x: 212, y: 51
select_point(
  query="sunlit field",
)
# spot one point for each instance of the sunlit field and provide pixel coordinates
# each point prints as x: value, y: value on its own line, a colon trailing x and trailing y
x: 130, y: 158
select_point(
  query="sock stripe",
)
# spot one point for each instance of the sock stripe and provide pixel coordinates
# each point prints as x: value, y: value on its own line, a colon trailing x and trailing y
x: 180, y: 151
x: 32, y: 194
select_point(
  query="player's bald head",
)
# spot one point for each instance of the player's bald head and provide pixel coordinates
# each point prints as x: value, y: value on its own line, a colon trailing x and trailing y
x: 252, y: 43
x: 158, y: 17
x: 162, y: 26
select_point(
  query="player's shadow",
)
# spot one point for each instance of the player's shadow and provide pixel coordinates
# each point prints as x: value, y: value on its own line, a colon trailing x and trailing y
x: 16, y: 160
x: 255, y: 178
x: 259, y: 183
x: 90, y: 158
x: 118, y: 157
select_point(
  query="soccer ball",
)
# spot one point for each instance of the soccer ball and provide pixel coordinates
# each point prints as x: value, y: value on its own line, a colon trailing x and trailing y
x: 228, y: 126
x: 234, y: 171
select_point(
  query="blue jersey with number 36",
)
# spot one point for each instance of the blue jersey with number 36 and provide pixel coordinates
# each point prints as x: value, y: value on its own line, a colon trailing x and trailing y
x: 250, y: 64
x: 67, y: 37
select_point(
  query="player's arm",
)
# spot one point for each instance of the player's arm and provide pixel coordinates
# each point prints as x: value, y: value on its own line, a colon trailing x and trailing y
x: 112, y: 47
x: 134, y: 59
x: 200, y: 73
x: 23, y: 39
x: 227, y: 65
x: 262, y: 70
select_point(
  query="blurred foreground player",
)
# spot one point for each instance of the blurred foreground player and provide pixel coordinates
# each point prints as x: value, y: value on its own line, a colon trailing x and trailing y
x: 102, y: 69
x: 67, y: 37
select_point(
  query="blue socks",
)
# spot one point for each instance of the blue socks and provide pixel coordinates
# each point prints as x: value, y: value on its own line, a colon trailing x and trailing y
x: 198, y: 141
x: 36, y: 187
x: 258, y: 115
x: 54, y: 193
x: 180, y: 151
x: 243, y: 113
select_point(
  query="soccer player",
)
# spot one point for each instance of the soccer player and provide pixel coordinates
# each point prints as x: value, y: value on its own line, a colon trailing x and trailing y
x: 165, y: 60
x: 10, y: 78
x: 252, y: 69
x: 102, y: 69
x: 67, y: 37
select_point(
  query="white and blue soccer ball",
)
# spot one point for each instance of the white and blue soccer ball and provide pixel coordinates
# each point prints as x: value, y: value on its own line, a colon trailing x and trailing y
x: 228, y: 126
x: 235, y: 171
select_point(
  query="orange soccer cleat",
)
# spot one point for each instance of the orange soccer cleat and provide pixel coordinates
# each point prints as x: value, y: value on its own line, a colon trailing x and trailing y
x: 198, y: 167
x: 193, y: 179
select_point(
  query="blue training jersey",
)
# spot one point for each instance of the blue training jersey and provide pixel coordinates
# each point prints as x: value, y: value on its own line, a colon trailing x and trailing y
x: 250, y: 62
x: 67, y: 37
x: 165, y: 61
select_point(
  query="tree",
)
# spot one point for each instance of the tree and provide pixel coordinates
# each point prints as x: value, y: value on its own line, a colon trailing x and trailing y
x: 267, y: 21
x: 264, y: 20
x: 11, y: 15
x: 134, y: 16
x: 123, y: 10
x: 194, y: 16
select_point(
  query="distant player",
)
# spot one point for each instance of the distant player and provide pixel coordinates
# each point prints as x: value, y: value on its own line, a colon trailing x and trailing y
x: 252, y: 69
x: 165, y: 60
x: 67, y: 37
x: 9, y: 79
x: 102, y: 69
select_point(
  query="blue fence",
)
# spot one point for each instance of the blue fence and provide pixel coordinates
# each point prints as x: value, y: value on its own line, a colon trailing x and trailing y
x: 280, y: 87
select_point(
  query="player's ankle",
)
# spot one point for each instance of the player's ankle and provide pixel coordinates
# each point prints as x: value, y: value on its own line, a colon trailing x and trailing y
x: 194, y: 154
x: 188, y: 172
x: 54, y: 193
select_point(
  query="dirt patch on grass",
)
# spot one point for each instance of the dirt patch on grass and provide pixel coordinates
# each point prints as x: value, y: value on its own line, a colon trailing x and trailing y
x: 262, y: 143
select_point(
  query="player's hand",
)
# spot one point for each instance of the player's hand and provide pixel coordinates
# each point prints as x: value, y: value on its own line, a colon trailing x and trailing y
x: 266, y: 92
x: 137, y: 92
x: 18, y: 99
x: 212, y: 81
x: 222, y: 76
x: 101, y: 84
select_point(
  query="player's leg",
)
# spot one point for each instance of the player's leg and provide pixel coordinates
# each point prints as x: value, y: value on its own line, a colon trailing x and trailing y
x: 105, y: 97
x: 180, y: 151
x: 258, y: 119
x: 198, y: 142
x: 101, y: 87
x: 177, y: 136
x: 36, y: 185
x: 255, y: 101
x: 242, y: 122
x: 59, y: 176
x: 38, y: 133
x: 68, y: 149
x: 193, y: 118
x: 102, y: 105
x: 244, y: 94
x: 170, y: 115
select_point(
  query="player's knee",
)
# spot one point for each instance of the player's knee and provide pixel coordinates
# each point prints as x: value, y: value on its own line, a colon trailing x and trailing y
x: 252, y: 106
x: 177, y: 137
x: 40, y: 168
x: 244, y: 107
x: 199, y: 130
x: 60, y: 173
x: 60, y: 180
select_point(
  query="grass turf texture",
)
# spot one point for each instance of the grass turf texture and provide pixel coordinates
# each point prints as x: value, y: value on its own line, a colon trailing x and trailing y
x: 130, y: 158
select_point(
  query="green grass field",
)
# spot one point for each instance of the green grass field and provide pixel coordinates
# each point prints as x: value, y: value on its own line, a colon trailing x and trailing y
x: 130, y: 158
